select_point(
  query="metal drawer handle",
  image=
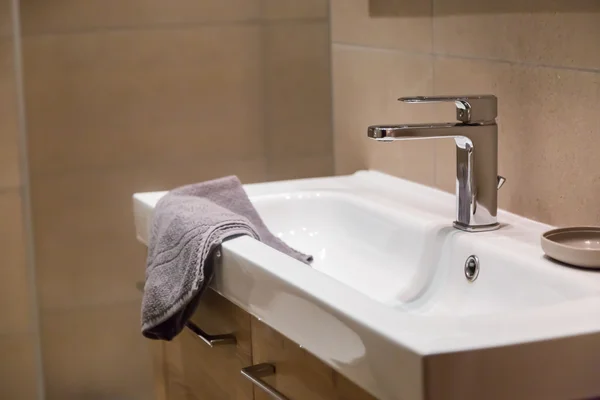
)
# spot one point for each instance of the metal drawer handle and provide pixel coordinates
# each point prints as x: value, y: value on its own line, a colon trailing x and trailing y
x: 211, y: 340
x: 255, y: 372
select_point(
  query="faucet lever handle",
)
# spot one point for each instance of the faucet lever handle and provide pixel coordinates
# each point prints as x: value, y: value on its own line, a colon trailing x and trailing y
x: 471, y: 109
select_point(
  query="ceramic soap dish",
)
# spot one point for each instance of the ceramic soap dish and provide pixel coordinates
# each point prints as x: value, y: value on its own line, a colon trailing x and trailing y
x: 578, y: 246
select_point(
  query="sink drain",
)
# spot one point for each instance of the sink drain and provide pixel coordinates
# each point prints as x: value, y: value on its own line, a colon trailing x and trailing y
x: 472, y: 268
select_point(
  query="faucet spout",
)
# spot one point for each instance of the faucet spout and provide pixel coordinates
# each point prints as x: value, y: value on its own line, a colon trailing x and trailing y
x: 390, y: 133
x: 477, y: 180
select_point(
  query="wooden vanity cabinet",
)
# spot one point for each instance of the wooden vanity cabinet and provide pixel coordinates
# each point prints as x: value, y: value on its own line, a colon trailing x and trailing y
x: 299, y: 375
x: 193, y: 370
x: 188, y: 368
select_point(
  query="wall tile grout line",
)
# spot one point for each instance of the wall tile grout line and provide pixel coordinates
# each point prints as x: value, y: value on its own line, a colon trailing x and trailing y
x: 432, y: 26
x: 517, y: 63
x: 353, y: 46
x: 331, y: 97
x: 466, y: 57
x: 177, y: 26
x: 433, y: 88
x: 263, y: 95
x: 26, y: 201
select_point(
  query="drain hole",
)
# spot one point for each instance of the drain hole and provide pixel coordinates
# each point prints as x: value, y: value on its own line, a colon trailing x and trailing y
x: 472, y: 268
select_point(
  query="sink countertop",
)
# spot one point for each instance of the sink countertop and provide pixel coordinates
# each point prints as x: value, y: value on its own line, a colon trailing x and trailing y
x: 398, y: 354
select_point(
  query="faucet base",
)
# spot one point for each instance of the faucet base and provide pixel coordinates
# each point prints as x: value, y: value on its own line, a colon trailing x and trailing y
x: 476, y: 228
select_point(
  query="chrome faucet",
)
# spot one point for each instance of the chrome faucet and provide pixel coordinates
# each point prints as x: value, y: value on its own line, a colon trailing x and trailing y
x: 476, y: 137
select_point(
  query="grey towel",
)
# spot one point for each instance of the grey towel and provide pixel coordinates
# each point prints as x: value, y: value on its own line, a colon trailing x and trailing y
x: 189, y: 225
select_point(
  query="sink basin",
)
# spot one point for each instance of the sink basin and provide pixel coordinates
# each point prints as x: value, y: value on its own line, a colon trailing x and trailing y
x: 372, y: 250
x: 393, y: 257
x: 387, y: 303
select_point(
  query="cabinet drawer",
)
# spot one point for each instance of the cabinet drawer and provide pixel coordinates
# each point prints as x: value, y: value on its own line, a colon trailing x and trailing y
x: 159, y: 373
x: 197, y: 371
x: 299, y: 375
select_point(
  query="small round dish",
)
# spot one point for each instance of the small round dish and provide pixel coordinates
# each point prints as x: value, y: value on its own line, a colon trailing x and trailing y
x: 578, y: 246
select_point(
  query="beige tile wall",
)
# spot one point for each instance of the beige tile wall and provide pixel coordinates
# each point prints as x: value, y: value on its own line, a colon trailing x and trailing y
x: 297, y: 99
x: 9, y: 130
x: 540, y: 58
x: 6, y: 23
x: 43, y: 17
x: 18, y: 332
x: 143, y: 95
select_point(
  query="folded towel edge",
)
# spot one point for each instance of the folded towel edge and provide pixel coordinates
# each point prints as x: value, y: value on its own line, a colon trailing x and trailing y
x: 220, y: 231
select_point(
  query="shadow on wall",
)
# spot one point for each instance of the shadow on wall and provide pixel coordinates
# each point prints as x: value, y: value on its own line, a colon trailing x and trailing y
x: 396, y: 8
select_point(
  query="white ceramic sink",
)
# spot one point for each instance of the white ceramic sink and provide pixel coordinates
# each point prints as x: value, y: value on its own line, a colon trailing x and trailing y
x: 393, y: 257
x: 386, y: 301
x: 370, y: 249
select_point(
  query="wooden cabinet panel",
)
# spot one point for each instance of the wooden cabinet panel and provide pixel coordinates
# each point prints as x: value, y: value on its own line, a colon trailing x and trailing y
x: 176, y: 387
x: 157, y: 350
x: 195, y: 371
x: 299, y: 375
x: 192, y: 370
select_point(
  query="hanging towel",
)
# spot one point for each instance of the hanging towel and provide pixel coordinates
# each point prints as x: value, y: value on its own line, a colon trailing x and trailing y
x: 187, y: 229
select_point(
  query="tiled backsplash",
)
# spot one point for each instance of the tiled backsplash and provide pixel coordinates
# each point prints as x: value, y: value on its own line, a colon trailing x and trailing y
x: 540, y: 58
